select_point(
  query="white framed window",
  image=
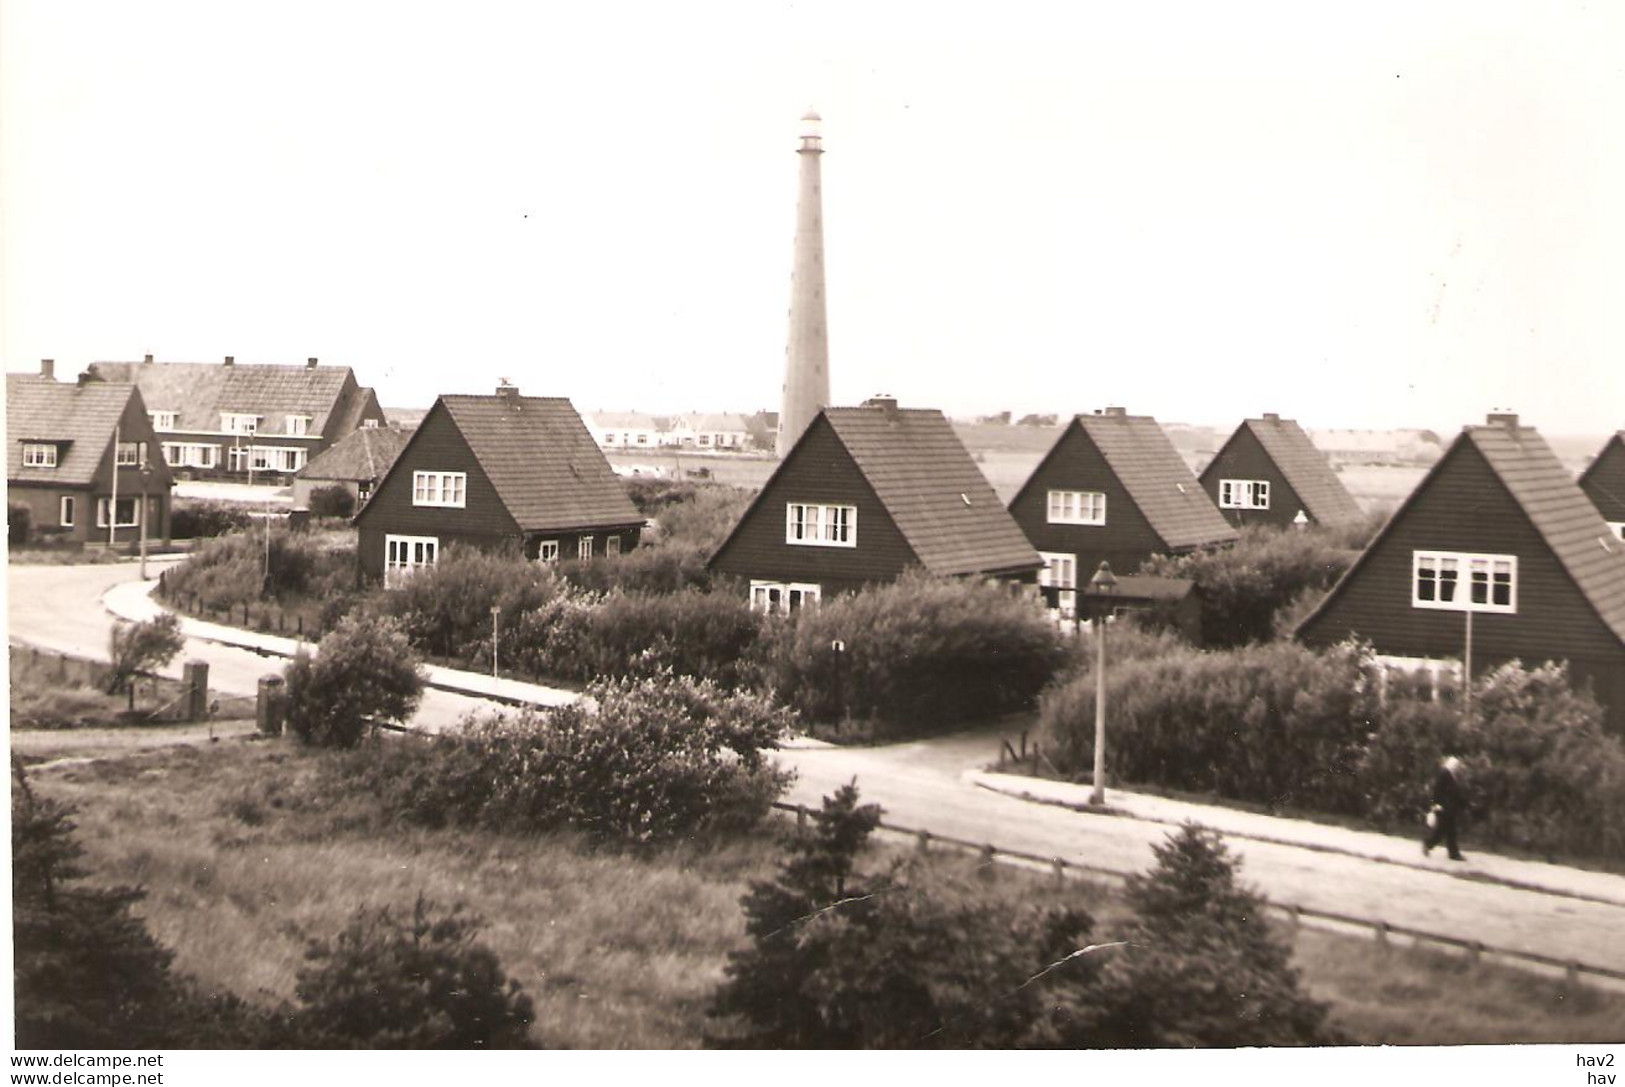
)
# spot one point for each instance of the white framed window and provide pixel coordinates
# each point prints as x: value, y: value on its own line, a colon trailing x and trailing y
x: 191, y: 454
x: 162, y: 420
x: 1462, y: 581
x: 783, y: 597
x: 125, y: 513
x: 584, y: 547
x: 239, y: 422
x: 369, y: 424
x: 1618, y: 528
x: 130, y: 454
x: 1060, y: 570
x: 820, y: 526
x: 1244, y: 494
x: 439, y: 489
x: 612, y: 545
x: 547, y: 551
x: 406, y: 555
x: 643, y: 439
x: 1077, y: 508
x: 39, y: 455
x: 297, y: 425
x: 65, y: 511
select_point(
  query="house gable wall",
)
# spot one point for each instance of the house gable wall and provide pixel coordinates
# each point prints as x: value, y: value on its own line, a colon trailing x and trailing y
x: 1244, y: 457
x: 1074, y: 463
x: 1604, y: 481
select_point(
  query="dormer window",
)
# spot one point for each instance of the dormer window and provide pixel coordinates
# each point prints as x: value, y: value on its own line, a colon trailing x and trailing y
x: 163, y: 420
x: 39, y: 455
x: 235, y: 422
x: 297, y: 425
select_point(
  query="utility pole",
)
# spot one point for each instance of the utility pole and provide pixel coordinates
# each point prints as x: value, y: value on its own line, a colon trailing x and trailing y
x: 1467, y: 668
x: 112, y: 504
x: 146, y: 475
x: 496, y: 613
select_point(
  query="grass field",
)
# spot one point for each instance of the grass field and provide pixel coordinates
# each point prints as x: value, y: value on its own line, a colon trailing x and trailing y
x: 244, y: 852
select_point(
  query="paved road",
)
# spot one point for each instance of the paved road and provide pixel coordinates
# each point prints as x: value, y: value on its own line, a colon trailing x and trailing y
x: 60, y: 607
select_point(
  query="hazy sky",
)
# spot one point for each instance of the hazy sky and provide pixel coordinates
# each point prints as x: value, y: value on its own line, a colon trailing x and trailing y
x: 1354, y: 214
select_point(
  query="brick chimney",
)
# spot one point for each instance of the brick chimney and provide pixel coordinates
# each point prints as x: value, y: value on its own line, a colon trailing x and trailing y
x: 310, y: 364
x: 1115, y: 412
x: 885, y: 402
x: 1271, y: 417
x: 47, y: 369
x: 146, y: 360
x: 508, y: 392
x: 231, y: 360
x: 1508, y: 419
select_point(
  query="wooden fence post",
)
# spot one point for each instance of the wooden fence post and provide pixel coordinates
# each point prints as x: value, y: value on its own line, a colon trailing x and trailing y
x: 984, y: 871
x: 923, y: 843
x: 1571, y: 976
x: 1382, y: 935
x: 1059, y: 868
x: 801, y: 816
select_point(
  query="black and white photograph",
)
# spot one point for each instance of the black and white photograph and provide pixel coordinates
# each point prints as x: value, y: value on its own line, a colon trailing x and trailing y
x: 541, y: 536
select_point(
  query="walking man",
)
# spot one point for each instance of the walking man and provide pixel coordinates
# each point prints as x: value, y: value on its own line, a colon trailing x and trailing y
x: 1448, y: 802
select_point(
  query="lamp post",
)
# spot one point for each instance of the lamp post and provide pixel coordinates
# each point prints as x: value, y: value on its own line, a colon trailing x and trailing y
x: 1102, y: 585
x: 496, y: 612
x: 146, y: 478
x: 838, y: 648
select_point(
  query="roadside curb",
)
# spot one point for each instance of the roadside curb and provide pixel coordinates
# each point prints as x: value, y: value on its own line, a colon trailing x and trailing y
x: 1005, y: 786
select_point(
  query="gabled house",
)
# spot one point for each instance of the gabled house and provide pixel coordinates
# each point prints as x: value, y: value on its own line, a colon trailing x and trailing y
x: 496, y: 472
x: 709, y: 431
x: 355, y: 462
x: 1112, y: 489
x: 1603, y: 482
x: 1496, y: 555
x: 246, y: 423
x: 865, y: 494
x: 81, y: 456
x: 1270, y: 473
x: 625, y: 430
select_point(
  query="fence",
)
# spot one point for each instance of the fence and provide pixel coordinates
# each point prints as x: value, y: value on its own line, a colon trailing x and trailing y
x: 1381, y: 931
x: 151, y: 698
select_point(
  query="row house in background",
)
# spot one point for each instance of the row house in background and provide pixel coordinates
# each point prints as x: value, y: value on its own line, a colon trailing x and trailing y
x: 1270, y: 473
x: 82, y: 457
x: 709, y: 431
x: 1603, y: 482
x: 258, y: 423
x: 866, y: 494
x: 1114, y: 489
x: 501, y: 472
x: 637, y: 430
x: 356, y: 462
x: 626, y: 429
x: 1497, y: 555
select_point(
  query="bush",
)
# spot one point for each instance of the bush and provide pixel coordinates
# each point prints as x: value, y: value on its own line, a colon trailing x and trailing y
x: 421, y: 982
x: 141, y: 647
x: 364, y: 668
x: 195, y: 519
x: 334, y: 501
x: 700, y: 520
x: 230, y: 571
x: 1242, y: 587
x: 445, y: 609
x: 19, y: 523
x: 921, y: 655
x: 655, y: 760
x: 669, y: 568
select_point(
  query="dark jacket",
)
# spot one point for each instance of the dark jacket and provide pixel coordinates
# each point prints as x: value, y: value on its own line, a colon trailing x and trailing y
x: 1447, y: 791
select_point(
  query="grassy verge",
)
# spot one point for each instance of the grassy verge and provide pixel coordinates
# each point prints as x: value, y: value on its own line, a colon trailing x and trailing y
x: 247, y: 847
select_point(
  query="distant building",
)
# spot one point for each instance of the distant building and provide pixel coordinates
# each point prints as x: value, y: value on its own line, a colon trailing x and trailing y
x: 1112, y: 489
x: 1603, y: 482
x: 1498, y: 545
x: 625, y: 429
x: 1269, y: 472
x: 244, y: 423
x: 709, y: 431
x: 501, y: 472
x: 356, y: 462
x: 1377, y: 446
x: 75, y: 455
x: 866, y: 494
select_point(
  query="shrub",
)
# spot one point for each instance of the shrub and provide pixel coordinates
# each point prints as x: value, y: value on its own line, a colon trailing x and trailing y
x: 693, y: 634
x: 334, y: 501
x: 141, y: 647
x: 231, y: 570
x: 194, y: 519
x: 1242, y: 587
x: 669, y: 568
x: 19, y: 523
x: 364, y: 668
x: 421, y: 982
x: 654, y: 760
x: 921, y: 655
x: 703, y: 520
x: 445, y: 609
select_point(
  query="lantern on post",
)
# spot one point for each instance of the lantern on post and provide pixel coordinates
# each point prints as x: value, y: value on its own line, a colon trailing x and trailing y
x: 1101, y: 586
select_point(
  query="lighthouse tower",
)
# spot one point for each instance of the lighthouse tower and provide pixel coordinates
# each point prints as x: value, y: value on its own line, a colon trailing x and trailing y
x: 806, y: 355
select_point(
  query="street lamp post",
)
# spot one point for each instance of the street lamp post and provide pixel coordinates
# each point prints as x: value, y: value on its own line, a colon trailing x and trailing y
x: 1103, y: 583
x: 146, y: 478
x: 496, y: 612
x: 838, y: 648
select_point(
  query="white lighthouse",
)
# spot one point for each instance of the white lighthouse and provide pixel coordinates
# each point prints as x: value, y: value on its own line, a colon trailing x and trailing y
x: 806, y: 354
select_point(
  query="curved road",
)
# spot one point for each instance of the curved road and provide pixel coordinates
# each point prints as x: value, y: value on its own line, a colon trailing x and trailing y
x: 919, y: 785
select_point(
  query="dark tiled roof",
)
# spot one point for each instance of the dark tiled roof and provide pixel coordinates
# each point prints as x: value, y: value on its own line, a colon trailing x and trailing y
x: 84, y: 415
x: 938, y: 498
x: 542, y: 461
x: 1159, y: 481
x: 198, y: 392
x: 1560, y: 512
x: 1603, y: 481
x: 361, y: 455
x: 1307, y: 470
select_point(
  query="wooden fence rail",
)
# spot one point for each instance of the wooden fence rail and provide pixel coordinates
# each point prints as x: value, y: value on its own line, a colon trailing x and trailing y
x: 1380, y: 930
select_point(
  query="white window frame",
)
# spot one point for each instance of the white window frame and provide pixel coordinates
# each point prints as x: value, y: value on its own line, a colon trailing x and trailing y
x: 547, y: 551
x: 239, y: 422
x: 1076, y: 507
x: 612, y: 545
x: 66, y: 507
x: 135, y: 512
x: 39, y: 455
x: 1060, y: 570
x: 445, y: 489
x: 1466, y: 570
x: 297, y: 426
x: 792, y: 596
x: 584, y: 547
x: 813, y: 524
x: 163, y: 420
x: 369, y: 424
x: 1618, y: 528
x: 1244, y: 494
x: 130, y: 454
x: 191, y: 454
x: 406, y: 555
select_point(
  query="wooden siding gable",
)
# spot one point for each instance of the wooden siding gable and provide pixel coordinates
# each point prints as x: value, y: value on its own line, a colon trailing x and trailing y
x: 1463, y: 505
x: 1243, y: 456
x: 1603, y: 481
x: 437, y: 446
x: 818, y: 469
